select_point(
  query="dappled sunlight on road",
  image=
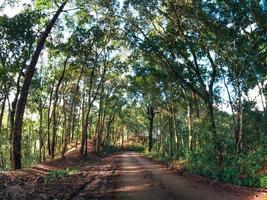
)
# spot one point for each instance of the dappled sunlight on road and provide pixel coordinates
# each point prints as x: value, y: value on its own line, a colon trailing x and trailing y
x: 140, y: 179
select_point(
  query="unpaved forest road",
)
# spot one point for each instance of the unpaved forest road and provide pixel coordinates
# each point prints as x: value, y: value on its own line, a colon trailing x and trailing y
x: 141, y: 179
x: 121, y: 176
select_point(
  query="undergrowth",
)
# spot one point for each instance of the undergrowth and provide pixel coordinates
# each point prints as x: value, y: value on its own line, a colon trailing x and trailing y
x: 243, y: 170
x: 112, y: 149
x: 54, y: 176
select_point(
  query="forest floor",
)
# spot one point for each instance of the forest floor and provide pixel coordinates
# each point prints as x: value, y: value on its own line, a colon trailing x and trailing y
x: 125, y: 175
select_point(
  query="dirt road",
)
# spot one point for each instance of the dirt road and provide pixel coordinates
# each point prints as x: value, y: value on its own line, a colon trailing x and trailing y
x: 121, y: 176
x: 141, y: 179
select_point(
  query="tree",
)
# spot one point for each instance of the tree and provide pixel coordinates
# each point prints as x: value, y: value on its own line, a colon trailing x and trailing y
x: 20, y: 108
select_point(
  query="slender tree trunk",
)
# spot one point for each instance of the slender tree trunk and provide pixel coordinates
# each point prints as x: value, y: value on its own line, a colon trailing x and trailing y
x: 151, y: 115
x: 171, y: 134
x: 86, y: 116
x: 16, y: 139
x: 41, y: 142
x: 190, y: 131
x: 83, y: 127
x: 260, y: 87
x: 14, y: 104
x: 12, y: 117
x: 72, y: 116
x: 195, y: 103
x: 99, y: 121
x: 44, y: 153
x: 2, y: 111
x: 239, y: 132
x: 49, y: 121
x: 73, y: 124
x: 176, y: 134
x: 34, y: 138
x: 53, y: 143
x: 84, y: 147
x: 111, y: 119
x: 54, y: 112
x: 1, y: 120
x: 215, y: 137
x: 66, y: 128
x: 150, y: 136
x: 87, y: 133
x: 189, y: 120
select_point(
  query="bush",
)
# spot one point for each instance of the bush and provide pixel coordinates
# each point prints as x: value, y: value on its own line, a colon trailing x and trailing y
x: 242, y: 170
x: 158, y: 156
x: 30, y: 160
x: 54, y: 176
x: 111, y: 149
x: 263, y: 181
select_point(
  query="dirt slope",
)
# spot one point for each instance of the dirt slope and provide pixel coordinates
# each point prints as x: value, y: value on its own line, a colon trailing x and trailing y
x: 92, y: 177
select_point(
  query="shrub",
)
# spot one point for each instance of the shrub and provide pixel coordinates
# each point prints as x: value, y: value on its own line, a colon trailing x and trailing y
x: 54, y: 176
x: 263, y: 181
x: 111, y: 149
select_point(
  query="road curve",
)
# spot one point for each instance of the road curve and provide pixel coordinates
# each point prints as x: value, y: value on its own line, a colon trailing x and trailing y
x: 140, y: 179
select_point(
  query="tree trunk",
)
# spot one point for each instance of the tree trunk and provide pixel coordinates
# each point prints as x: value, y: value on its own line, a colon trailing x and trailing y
x: 189, y: 118
x: 72, y: 110
x: 83, y: 123
x: 176, y: 134
x: 66, y: 130
x: 171, y: 134
x: 16, y: 139
x: 12, y: 111
x: 151, y: 115
x: 111, y: 119
x: 2, y: 112
x: 215, y: 137
x: 14, y: 104
x: 150, y: 135
x: 86, y: 116
x: 239, y: 131
x: 54, y: 112
x: 49, y: 120
x: 41, y: 132
x: 99, y: 121
x: 84, y: 132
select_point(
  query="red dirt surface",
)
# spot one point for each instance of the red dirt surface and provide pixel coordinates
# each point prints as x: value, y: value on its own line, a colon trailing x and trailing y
x: 87, y: 183
x: 142, y: 178
x: 125, y: 175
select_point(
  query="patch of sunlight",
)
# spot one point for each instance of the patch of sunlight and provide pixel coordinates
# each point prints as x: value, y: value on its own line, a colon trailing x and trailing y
x: 133, y: 188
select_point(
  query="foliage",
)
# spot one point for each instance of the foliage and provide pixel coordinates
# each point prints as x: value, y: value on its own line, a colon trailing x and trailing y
x: 244, y: 171
x: 112, y: 149
x: 157, y: 156
x: 173, y: 77
x: 56, y: 175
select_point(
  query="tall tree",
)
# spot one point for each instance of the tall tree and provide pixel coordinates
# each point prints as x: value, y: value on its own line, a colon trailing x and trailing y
x: 16, y: 133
